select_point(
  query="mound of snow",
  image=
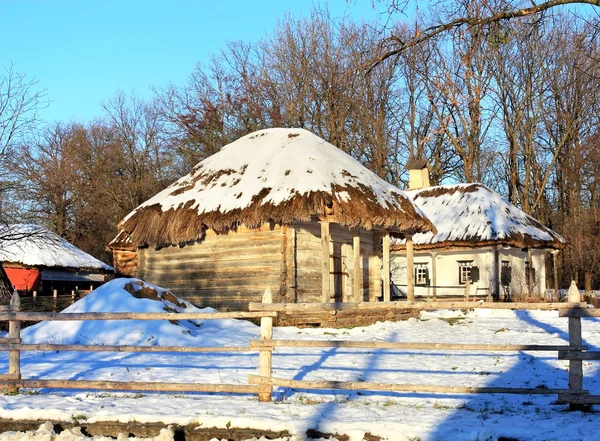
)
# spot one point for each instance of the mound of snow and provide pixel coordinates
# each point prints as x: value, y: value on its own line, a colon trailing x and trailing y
x: 134, y: 295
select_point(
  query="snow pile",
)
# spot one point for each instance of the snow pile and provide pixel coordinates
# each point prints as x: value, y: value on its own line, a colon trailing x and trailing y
x: 283, y: 162
x: 473, y: 212
x: 33, y: 245
x: 133, y: 295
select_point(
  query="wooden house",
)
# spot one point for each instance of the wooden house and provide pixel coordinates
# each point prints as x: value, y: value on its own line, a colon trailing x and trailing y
x: 481, y: 239
x: 280, y: 208
x: 36, y: 259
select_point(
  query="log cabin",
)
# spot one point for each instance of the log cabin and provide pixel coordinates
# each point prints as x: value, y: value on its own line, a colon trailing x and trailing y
x: 482, y: 240
x: 36, y: 259
x: 280, y: 208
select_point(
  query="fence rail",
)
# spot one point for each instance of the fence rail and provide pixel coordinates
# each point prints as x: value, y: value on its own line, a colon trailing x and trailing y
x: 262, y: 384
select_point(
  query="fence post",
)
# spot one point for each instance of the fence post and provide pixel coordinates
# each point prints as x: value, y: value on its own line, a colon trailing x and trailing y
x: 575, y: 339
x: 265, y: 356
x: 14, y: 331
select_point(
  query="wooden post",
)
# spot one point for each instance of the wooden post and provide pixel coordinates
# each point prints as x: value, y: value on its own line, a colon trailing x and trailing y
x: 496, y: 275
x: 14, y: 331
x: 265, y: 356
x: 358, y: 275
x: 530, y: 274
x: 34, y: 294
x: 55, y: 293
x: 434, y: 273
x: 325, y: 263
x: 556, y: 286
x: 575, y: 339
x: 467, y: 289
x: 410, y: 269
x: 386, y: 267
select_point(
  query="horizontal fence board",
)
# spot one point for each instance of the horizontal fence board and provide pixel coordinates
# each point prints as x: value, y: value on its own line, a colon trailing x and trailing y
x: 402, y: 345
x: 577, y: 311
x: 9, y: 377
x: 126, y: 385
x: 421, y: 306
x: 573, y: 354
x: 371, y: 386
x: 10, y: 341
x: 65, y: 316
x: 571, y: 398
x: 123, y: 348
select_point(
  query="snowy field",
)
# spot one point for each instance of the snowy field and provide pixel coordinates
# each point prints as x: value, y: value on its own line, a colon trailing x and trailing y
x: 392, y: 416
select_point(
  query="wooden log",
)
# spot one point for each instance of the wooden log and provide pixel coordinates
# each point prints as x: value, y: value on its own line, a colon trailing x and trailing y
x: 405, y: 345
x: 123, y: 348
x: 410, y: 269
x: 357, y: 272
x: 14, y: 332
x: 555, y: 268
x: 434, y: 273
x: 577, y: 311
x: 578, y: 399
x: 325, y: 262
x: 467, y: 289
x: 575, y: 339
x: 386, y: 267
x: 128, y: 385
x: 572, y: 354
x: 421, y: 306
x: 65, y: 316
x: 265, y: 357
x: 372, y: 386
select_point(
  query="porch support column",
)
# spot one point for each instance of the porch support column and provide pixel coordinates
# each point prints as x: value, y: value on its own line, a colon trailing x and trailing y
x: 555, y: 265
x: 386, y: 267
x: 325, y: 262
x: 410, y: 269
x: 358, y: 275
x: 496, y: 274
x: 434, y: 273
x: 530, y: 278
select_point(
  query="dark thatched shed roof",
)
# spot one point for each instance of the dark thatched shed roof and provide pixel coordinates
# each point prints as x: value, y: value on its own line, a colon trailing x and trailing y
x: 273, y: 175
x: 472, y: 215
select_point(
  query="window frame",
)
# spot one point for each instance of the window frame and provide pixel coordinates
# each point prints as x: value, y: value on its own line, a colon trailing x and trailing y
x: 463, y: 265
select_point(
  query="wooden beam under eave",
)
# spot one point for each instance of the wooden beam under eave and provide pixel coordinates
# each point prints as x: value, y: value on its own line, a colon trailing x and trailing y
x: 325, y: 262
x: 386, y: 267
x: 357, y: 288
x: 410, y: 269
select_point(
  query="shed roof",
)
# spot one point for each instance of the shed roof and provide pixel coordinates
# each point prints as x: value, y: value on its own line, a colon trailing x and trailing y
x: 278, y: 175
x: 33, y: 245
x: 472, y: 215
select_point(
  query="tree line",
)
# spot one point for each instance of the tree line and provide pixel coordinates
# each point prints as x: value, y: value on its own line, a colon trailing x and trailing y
x: 514, y: 105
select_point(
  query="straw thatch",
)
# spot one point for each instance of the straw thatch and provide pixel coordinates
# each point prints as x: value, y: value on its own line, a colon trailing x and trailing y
x: 5, y: 285
x: 472, y: 215
x: 275, y: 175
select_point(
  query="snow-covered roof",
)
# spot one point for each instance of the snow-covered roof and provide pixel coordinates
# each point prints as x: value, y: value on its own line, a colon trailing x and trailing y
x: 278, y: 175
x: 474, y: 215
x: 33, y: 245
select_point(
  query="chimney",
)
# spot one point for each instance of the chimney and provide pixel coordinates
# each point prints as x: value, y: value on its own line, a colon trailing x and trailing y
x: 418, y: 174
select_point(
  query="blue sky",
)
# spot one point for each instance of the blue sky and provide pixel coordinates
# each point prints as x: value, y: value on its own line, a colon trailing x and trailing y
x: 81, y: 52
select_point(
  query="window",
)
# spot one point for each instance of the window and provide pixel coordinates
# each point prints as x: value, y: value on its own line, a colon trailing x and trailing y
x: 464, y: 271
x: 421, y: 274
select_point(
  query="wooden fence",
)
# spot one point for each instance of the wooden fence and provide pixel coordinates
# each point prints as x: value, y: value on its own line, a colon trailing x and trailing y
x: 263, y: 383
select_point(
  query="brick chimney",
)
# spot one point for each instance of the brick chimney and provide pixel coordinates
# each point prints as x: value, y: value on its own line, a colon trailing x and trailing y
x: 418, y: 174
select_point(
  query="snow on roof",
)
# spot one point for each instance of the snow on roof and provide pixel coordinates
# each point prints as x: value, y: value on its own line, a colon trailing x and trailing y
x: 274, y: 174
x: 33, y: 245
x: 134, y: 295
x: 474, y: 215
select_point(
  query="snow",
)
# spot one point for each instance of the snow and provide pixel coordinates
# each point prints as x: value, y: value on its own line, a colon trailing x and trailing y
x: 33, y: 245
x: 392, y: 416
x: 482, y: 215
x: 283, y: 162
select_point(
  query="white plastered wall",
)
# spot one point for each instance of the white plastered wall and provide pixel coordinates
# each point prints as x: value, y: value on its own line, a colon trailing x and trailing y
x: 448, y: 274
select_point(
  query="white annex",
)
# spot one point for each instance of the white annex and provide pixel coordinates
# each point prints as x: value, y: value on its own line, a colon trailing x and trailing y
x: 482, y: 240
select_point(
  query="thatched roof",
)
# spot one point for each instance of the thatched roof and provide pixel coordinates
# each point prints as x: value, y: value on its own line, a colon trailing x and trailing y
x: 472, y: 215
x: 278, y: 175
x: 5, y: 285
x: 35, y: 246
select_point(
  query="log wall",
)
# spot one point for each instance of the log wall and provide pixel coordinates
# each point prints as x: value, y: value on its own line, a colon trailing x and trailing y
x: 224, y: 271
x: 125, y: 262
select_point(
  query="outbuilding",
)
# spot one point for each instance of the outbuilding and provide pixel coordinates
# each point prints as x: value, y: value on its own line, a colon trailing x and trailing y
x: 482, y: 241
x: 280, y: 208
x: 36, y: 259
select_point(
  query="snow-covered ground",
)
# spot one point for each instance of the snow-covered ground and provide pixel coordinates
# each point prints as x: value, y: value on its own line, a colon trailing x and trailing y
x: 392, y: 416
